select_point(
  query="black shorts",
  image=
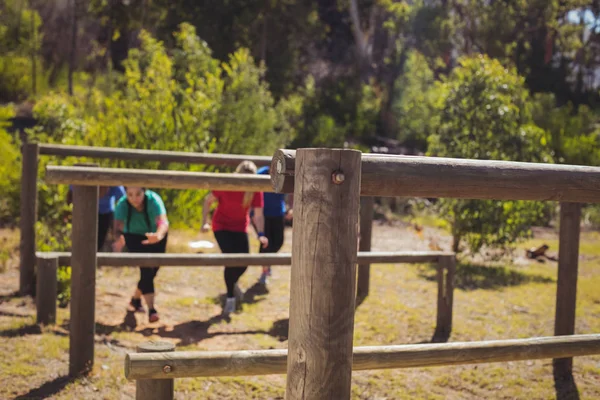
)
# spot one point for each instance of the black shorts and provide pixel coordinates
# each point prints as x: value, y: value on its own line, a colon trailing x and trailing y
x: 274, y: 229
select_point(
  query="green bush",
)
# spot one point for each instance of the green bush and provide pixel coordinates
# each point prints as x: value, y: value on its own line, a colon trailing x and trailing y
x: 486, y: 115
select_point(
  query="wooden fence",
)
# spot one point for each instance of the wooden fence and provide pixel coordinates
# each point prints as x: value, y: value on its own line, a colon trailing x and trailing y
x: 29, y: 177
x: 32, y: 151
x: 85, y: 181
x: 327, y: 184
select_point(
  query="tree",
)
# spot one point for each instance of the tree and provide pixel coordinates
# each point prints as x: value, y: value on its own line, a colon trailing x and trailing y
x: 486, y: 116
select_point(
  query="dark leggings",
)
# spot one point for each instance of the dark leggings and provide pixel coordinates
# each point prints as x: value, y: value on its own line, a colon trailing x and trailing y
x: 232, y: 242
x: 147, y: 274
x: 104, y: 221
x: 274, y: 228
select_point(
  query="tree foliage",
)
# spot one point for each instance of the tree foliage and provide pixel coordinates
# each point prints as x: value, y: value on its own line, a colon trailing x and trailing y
x: 485, y: 116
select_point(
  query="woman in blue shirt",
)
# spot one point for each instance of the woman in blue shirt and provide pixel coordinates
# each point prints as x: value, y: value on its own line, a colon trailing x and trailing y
x: 108, y: 196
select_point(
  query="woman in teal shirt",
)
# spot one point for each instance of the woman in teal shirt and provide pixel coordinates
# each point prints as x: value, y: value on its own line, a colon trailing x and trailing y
x: 141, y: 223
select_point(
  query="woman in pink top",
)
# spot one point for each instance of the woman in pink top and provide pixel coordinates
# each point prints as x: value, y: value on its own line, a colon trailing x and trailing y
x: 230, y: 226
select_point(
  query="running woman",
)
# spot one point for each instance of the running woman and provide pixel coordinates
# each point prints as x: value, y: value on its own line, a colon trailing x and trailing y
x: 230, y: 226
x: 142, y: 225
x: 276, y: 213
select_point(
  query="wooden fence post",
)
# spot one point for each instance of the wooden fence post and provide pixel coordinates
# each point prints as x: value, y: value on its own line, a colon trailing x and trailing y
x: 322, y: 298
x: 445, y: 276
x: 366, y: 229
x: 83, y: 279
x: 566, y: 287
x: 29, y: 170
x: 47, y: 284
x: 155, y: 389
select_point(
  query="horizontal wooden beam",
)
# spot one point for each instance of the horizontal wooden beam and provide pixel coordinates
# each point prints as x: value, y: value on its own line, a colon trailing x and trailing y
x: 266, y: 362
x: 231, y: 260
x: 88, y: 176
x: 434, y: 177
x: 115, y: 153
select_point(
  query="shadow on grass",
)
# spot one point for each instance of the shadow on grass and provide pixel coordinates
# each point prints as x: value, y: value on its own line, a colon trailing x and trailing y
x: 193, y: 331
x: 9, y: 296
x: 32, y: 329
x: 47, y: 389
x: 475, y: 276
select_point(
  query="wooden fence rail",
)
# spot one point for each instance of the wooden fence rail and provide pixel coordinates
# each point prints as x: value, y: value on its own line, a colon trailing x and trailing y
x: 232, y: 260
x: 188, y: 364
x: 115, y: 153
x: 89, y: 176
x: 435, y: 177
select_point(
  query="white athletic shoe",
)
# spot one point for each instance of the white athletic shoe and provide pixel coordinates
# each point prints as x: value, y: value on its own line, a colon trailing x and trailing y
x: 263, y: 278
x: 229, y: 306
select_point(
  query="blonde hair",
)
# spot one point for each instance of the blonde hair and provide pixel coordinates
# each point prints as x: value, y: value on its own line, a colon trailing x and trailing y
x: 246, y: 167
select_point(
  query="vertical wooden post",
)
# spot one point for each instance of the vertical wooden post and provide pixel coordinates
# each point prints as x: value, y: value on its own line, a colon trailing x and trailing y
x: 83, y: 279
x: 445, y: 277
x: 322, y: 298
x: 566, y: 290
x: 29, y: 169
x: 366, y: 228
x: 155, y: 389
x: 47, y: 284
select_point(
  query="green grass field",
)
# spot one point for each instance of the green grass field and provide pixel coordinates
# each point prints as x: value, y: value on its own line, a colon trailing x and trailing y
x: 495, y: 301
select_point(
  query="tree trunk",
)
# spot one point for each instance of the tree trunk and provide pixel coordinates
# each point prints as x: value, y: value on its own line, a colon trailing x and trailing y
x: 73, y: 47
x: 33, y: 55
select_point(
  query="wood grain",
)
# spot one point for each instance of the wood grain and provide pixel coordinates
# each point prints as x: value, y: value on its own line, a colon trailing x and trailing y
x: 155, y: 389
x: 366, y: 229
x: 86, y: 176
x: 445, y: 276
x: 566, y: 288
x: 115, y: 153
x: 322, y: 298
x: 29, y: 170
x: 47, y: 285
x: 83, y: 279
x: 190, y: 364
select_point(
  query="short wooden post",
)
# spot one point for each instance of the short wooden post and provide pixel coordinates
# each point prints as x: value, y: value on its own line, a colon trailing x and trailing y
x: 445, y: 277
x: 155, y: 389
x: 566, y: 290
x: 322, y: 298
x: 47, y: 285
x: 366, y: 229
x: 83, y: 279
x: 29, y: 169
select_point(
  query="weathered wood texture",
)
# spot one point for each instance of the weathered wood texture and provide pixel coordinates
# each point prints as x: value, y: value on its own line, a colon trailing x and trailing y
x: 155, y: 389
x: 47, y: 285
x: 114, y: 153
x: 408, y: 176
x: 230, y: 260
x: 566, y: 290
x: 86, y: 176
x: 28, y: 199
x: 83, y: 279
x: 366, y: 229
x: 322, y: 298
x: 445, y: 276
x: 266, y: 362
